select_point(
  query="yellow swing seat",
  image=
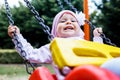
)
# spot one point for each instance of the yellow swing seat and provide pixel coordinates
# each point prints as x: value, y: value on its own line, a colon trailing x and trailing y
x: 69, y: 52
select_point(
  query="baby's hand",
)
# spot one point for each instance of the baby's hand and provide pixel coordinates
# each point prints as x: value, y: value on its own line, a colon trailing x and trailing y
x: 12, y: 29
x: 97, y: 32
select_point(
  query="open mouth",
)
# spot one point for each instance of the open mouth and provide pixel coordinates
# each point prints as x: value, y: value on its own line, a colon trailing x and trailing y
x: 69, y: 28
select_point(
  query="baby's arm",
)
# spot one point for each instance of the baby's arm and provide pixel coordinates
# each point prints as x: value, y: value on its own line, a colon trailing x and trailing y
x: 41, y: 55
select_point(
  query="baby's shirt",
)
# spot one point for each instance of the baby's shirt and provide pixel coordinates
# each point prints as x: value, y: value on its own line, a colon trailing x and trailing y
x: 40, y: 55
x: 97, y: 39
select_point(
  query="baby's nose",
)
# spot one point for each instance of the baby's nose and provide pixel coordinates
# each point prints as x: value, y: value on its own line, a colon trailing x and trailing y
x: 68, y: 22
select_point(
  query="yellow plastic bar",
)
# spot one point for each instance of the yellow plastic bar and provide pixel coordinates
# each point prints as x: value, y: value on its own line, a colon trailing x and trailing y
x: 68, y: 52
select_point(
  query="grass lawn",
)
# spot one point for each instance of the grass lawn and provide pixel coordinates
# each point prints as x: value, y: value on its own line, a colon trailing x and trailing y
x: 15, y: 72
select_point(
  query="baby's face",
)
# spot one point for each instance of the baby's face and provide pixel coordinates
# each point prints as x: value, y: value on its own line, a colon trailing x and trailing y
x: 68, y: 26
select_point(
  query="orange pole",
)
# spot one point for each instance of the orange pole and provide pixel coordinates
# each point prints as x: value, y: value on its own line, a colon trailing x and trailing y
x: 86, y: 26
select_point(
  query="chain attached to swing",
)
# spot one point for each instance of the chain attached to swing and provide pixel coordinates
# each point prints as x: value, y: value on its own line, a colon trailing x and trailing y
x: 45, y: 28
x: 60, y: 4
x: 19, y: 45
x: 9, y: 15
x: 71, y: 6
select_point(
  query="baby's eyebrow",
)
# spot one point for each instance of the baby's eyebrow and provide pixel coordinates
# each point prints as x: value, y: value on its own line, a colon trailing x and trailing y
x: 74, y: 19
x: 62, y: 19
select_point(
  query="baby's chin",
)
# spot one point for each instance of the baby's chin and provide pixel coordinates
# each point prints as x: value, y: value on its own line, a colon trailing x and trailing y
x: 67, y: 36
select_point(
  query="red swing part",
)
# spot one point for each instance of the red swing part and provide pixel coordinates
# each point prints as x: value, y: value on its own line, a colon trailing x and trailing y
x: 42, y: 73
x: 90, y: 72
x: 86, y: 72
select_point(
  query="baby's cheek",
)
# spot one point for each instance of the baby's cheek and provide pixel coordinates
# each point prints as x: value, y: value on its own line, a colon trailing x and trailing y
x: 58, y: 33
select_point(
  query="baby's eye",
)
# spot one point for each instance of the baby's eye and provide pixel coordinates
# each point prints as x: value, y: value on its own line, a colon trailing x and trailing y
x: 73, y: 21
x: 62, y: 21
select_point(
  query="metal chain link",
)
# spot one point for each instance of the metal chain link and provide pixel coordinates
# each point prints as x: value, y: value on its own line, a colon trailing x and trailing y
x: 9, y: 15
x: 60, y: 4
x: 70, y: 5
x: 107, y: 40
x: 15, y: 37
x: 45, y: 28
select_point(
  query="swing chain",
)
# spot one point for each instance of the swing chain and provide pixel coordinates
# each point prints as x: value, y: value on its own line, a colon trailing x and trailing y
x: 23, y: 54
x: 60, y: 4
x: 70, y: 5
x: 16, y: 39
x: 45, y: 28
x: 107, y: 40
x: 9, y: 15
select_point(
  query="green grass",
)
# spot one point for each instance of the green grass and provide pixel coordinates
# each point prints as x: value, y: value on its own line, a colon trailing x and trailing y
x: 16, y: 71
x: 13, y: 72
x: 12, y: 69
x: 7, y: 50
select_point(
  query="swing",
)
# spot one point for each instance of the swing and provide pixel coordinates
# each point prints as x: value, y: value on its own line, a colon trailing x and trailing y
x: 42, y: 73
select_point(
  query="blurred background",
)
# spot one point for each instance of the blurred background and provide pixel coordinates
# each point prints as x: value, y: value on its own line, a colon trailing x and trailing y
x: 102, y: 13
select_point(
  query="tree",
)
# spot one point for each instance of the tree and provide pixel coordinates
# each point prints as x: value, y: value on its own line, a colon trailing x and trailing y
x: 109, y: 19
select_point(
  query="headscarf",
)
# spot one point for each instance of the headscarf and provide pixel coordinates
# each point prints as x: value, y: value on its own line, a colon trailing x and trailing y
x: 56, y: 20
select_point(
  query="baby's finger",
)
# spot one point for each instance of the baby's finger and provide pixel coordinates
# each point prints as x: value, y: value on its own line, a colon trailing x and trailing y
x: 100, y: 30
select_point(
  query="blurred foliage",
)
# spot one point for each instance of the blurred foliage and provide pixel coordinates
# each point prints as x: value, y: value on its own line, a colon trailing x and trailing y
x: 8, y: 56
